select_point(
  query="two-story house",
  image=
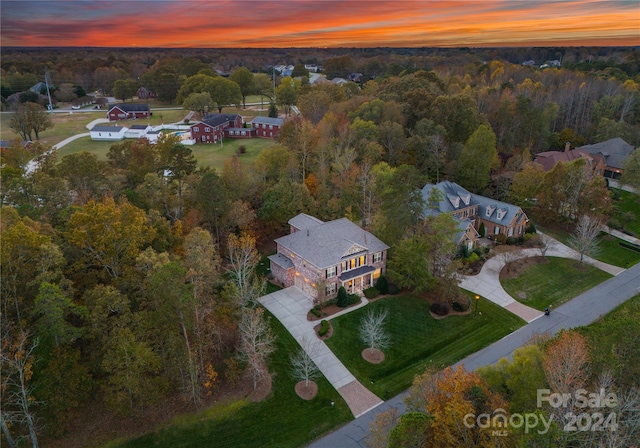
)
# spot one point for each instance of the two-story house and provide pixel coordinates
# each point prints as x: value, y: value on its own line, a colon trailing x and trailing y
x: 472, y: 212
x: 268, y: 127
x: 328, y: 255
x: 213, y: 127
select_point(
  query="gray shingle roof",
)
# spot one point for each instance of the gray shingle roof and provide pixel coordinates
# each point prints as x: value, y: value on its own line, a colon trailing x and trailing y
x: 139, y: 126
x: 496, y: 211
x: 131, y: 107
x: 304, y: 221
x: 615, y: 151
x: 268, y: 120
x: 106, y: 128
x: 214, y: 120
x: 326, y: 244
x: 281, y: 261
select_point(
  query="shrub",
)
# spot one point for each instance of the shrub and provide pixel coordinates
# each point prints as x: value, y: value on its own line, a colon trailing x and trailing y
x: 440, y: 309
x: 343, y: 297
x: 473, y: 258
x: 324, y: 327
x: 482, y: 231
x: 382, y: 285
x: 511, y: 241
x: 242, y: 149
x: 500, y: 239
x: 461, y: 303
x: 371, y: 293
x: 354, y: 298
x: 531, y: 228
x: 614, y: 223
x: 393, y: 289
x: 315, y: 312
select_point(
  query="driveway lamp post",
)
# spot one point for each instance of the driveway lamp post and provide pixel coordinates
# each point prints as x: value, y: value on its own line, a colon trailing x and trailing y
x: 477, y: 297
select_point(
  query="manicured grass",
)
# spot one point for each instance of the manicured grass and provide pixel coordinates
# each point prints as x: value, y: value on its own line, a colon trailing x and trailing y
x: 214, y: 155
x: 627, y: 210
x: 611, y: 252
x: 609, y: 249
x: 554, y: 282
x: 282, y: 420
x: 418, y: 340
x: 100, y: 149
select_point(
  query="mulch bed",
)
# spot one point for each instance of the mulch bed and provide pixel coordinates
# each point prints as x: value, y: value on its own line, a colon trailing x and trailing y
x: 306, y: 392
x: 374, y: 356
x: 515, y: 268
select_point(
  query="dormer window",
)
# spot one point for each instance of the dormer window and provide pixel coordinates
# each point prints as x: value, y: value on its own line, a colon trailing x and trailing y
x: 489, y: 210
x: 501, y: 213
x: 455, y: 200
x: 466, y: 197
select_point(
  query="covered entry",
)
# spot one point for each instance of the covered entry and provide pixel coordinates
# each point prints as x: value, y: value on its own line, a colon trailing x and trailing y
x: 357, y: 280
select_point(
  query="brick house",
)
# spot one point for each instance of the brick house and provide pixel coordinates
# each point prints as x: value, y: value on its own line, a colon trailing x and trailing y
x: 614, y: 152
x: 144, y: 93
x: 335, y: 253
x: 127, y: 111
x: 267, y: 127
x: 471, y: 211
x: 213, y: 127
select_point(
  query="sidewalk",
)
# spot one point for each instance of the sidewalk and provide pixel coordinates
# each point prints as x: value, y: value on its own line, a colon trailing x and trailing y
x: 290, y: 306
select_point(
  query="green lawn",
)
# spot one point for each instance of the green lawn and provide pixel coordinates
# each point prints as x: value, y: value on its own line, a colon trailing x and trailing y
x: 282, y: 420
x: 609, y: 249
x: 418, y: 340
x: 100, y: 149
x: 627, y: 210
x: 554, y: 282
x: 214, y: 155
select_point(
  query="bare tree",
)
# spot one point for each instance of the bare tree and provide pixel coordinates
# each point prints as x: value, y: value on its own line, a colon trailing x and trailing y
x: 18, y: 404
x: 256, y: 342
x: 243, y: 258
x: 303, y: 366
x: 584, y: 238
x: 508, y: 257
x: 372, y: 331
x: 544, y: 242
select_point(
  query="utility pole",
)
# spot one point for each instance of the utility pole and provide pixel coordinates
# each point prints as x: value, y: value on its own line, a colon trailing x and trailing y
x: 46, y: 81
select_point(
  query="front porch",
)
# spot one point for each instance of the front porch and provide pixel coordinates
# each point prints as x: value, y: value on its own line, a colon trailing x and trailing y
x: 359, y: 279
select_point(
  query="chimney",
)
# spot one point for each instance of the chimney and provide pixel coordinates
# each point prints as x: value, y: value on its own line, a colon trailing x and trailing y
x: 567, y: 146
x: 307, y: 232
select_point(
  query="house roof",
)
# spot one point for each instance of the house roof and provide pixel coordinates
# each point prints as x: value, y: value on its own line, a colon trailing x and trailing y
x: 139, y: 126
x: 214, y: 120
x: 268, y: 120
x: 281, y: 261
x: 614, y: 151
x: 304, y: 221
x: 131, y: 107
x: 455, y: 197
x: 548, y: 159
x: 107, y: 128
x: 328, y: 243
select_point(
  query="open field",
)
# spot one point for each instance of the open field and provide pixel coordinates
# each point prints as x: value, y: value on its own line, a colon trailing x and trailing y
x: 282, y: 420
x: 418, y: 340
x: 553, y: 283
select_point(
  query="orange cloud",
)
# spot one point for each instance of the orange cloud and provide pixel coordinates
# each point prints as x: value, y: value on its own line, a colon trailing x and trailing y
x: 328, y: 23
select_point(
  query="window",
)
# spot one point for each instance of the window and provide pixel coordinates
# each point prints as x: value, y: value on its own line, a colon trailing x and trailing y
x: 376, y: 274
x: 270, y: 126
x: 196, y: 129
x: 207, y: 129
x: 497, y: 230
x: 203, y: 139
x: 332, y: 271
x: 353, y: 263
x: 330, y: 289
x: 377, y: 257
x: 510, y: 231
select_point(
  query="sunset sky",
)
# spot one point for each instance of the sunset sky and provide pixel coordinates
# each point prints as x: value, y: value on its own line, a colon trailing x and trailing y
x: 319, y: 23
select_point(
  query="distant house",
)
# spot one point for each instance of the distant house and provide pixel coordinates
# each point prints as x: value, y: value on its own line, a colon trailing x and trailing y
x: 356, y: 77
x: 144, y: 94
x: 614, y: 151
x: 137, y: 131
x: 335, y: 253
x: 112, y: 133
x: 268, y: 127
x: 471, y: 211
x: 127, y: 111
x: 213, y: 127
x: 548, y: 159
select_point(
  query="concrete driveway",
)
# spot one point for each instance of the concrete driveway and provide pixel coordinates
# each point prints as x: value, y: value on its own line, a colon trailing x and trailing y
x: 290, y: 306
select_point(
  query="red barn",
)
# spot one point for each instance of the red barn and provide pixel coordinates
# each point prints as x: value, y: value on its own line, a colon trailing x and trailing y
x: 267, y: 126
x: 125, y: 111
x: 213, y: 127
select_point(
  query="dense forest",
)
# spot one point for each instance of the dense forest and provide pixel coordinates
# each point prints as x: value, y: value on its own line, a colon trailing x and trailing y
x: 133, y: 281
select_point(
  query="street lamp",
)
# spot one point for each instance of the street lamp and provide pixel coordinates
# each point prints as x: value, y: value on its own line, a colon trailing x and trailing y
x: 477, y: 297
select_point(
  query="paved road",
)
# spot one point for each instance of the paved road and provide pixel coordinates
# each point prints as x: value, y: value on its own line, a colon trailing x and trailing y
x: 582, y: 310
